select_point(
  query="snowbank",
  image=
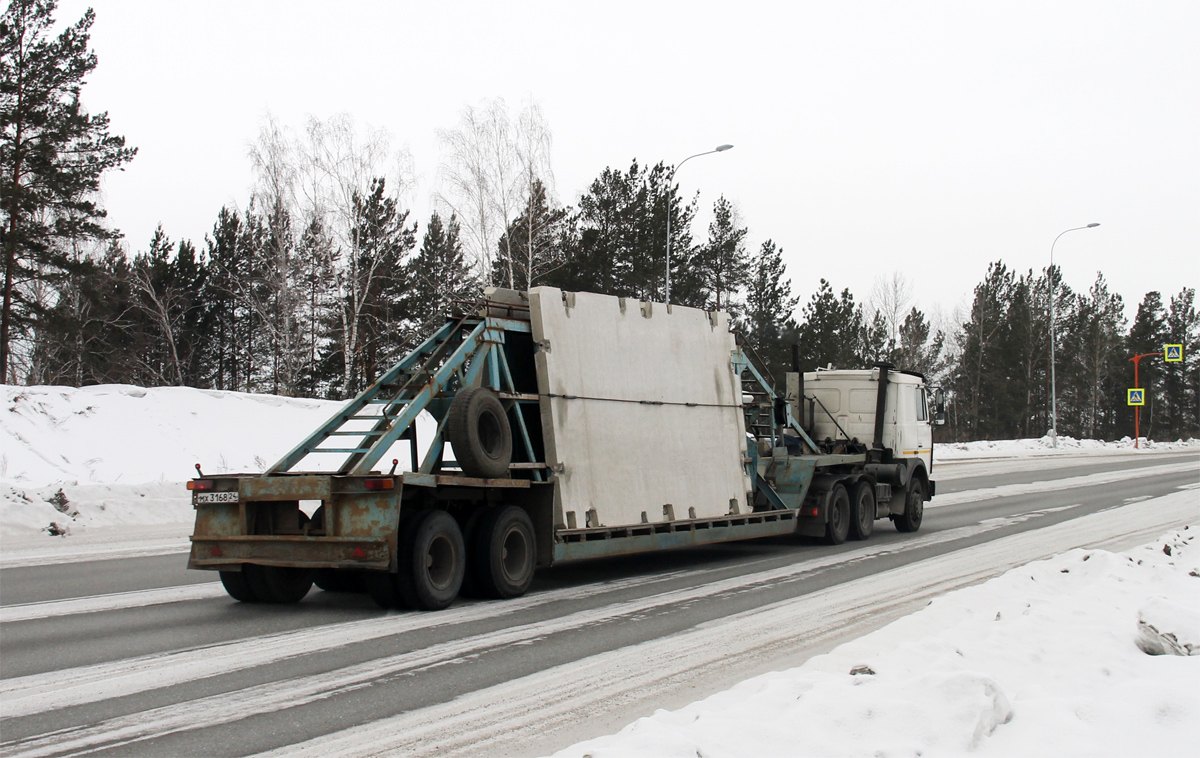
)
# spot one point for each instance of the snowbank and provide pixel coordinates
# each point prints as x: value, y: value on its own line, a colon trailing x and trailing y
x: 1047, y: 659
x: 1044, y: 446
x: 118, y: 433
x: 116, y: 455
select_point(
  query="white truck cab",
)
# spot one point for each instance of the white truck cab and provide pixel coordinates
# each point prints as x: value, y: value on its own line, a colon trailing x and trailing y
x: 845, y: 403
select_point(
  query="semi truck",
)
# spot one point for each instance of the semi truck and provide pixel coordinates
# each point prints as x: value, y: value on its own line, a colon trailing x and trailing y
x: 561, y: 426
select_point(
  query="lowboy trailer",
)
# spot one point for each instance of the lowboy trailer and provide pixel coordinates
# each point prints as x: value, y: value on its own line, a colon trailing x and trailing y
x: 581, y: 426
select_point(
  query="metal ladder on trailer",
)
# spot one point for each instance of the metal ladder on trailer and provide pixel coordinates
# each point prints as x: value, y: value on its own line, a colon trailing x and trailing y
x: 467, y: 351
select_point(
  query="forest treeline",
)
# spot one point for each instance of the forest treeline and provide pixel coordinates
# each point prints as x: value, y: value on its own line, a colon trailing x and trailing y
x: 325, y: 277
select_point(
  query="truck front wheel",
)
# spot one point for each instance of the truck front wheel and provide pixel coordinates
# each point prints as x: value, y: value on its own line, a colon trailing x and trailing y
x: 914, y: 507
x: 862, y: 514
x: 838, y: 526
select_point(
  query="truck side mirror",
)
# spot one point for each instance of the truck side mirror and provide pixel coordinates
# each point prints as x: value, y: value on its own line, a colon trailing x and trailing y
x: 939, y: 407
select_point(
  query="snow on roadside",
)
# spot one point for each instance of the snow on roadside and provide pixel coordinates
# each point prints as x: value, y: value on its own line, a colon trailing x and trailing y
x: 1047, y: 659
x: 1044, y: 446
x: 117, y: 455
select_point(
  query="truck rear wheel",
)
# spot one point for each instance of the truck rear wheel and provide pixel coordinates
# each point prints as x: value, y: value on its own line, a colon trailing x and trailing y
x: 914, y: 507
x: 477, y: 427
x: 278, y: 584
x: 237, y: 586
x: 504, y: 553
x: 838, y: 526
x: 432, y: 561
x: 862, y: 511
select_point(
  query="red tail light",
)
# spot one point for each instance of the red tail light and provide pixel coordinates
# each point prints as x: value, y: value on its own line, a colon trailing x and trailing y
x: 200, y: 484
x: 379, y: 484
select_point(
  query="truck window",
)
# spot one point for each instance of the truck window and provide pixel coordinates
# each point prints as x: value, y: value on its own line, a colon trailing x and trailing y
x: 922, y: 405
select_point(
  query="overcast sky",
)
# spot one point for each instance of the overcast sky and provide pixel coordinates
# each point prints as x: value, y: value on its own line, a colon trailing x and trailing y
x: 925, y: 137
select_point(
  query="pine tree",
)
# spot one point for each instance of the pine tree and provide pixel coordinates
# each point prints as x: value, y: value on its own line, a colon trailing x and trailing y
x: 831, y: 330
x: 1180, y: 380
x: 918, y: 350
x: 721, y: 264
x: 983, y: 369
x: 534, y: 242
x: 769, y: 308
x: 1147, y: 335
x: 52, y: 156
x: 439, y: 274
x: 616, y: 243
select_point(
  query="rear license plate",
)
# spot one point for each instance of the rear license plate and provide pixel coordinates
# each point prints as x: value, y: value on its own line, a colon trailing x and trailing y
x: 207, y: 498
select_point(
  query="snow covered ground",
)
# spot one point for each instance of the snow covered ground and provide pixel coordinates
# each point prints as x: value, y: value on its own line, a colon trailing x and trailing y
x: 1051, y: 659
x: 1044, y: 447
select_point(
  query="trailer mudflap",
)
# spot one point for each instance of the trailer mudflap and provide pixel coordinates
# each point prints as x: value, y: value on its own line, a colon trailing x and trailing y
x: 294, y: 551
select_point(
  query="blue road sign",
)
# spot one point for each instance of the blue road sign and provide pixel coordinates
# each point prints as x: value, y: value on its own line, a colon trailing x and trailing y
x: 1137, y: 397
x: 1173, y: 353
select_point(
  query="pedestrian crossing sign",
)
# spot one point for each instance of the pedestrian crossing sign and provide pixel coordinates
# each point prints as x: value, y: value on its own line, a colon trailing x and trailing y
x: 1137, y: 396
x: 1173, y: 353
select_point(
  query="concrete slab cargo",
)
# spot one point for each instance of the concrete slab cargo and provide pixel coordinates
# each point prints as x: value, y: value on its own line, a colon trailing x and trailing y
x: 641, y: 410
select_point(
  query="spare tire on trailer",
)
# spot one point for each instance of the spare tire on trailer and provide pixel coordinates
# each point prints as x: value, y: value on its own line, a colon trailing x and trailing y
x: 478, y: 428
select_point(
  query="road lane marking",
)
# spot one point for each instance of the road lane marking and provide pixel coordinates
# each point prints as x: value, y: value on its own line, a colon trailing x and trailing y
x: 112, y: 602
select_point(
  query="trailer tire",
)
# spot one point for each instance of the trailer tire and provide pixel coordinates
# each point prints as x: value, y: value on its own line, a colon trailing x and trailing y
x: 838, y: 526
x: 862, y: 511
x: 914, y: 507
x: 381, y: 586
x: 238, y: 586
x: 278, y: 584
x: 505, y: 553
x: 335, y: 580
x: 432, y: 561
x: 478, y: 428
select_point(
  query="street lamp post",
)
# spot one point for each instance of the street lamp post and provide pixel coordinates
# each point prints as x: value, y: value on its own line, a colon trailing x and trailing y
x: 1053, y: 288
x: 718, y: 149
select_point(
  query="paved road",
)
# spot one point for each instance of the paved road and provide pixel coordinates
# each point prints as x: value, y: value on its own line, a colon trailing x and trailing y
x: 141, y: 657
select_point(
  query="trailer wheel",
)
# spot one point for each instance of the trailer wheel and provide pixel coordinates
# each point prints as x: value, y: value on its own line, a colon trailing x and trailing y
x: 278, y: 584
x: 334, y: 580
x: 432, y: 561
x: 862, y: 512
x: 838, y: 526
x: 238, y: 586
x: 914, y: 507
x: 381, y: 586
x: 504, y: 553
x: 477, y: 427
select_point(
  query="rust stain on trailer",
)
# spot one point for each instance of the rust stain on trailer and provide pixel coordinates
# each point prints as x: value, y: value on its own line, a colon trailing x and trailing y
x: 284, y: 488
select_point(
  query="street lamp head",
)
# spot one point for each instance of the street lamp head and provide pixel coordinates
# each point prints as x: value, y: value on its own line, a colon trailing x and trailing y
x: 723, y: 148
x: 1092, y: 226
